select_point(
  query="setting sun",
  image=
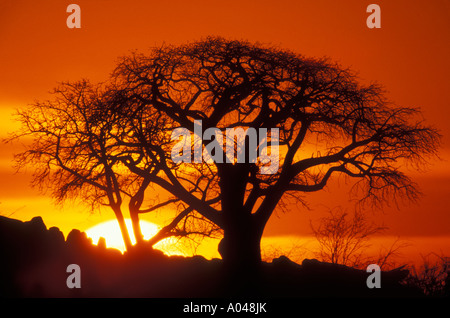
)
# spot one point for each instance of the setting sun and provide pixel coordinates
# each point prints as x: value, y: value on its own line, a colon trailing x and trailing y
x: 220, y: 155
x: 111, y: 232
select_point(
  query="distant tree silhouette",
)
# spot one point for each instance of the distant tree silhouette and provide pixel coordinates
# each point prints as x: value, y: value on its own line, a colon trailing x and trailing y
x: 329, y: 125
x: 432, y: 276
x: 344, y: 239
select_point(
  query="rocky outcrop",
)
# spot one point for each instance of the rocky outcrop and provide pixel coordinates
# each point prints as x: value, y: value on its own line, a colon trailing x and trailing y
x: 34, y: 260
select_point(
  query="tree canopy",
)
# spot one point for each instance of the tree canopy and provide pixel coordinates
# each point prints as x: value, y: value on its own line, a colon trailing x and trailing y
x: 327, y: 124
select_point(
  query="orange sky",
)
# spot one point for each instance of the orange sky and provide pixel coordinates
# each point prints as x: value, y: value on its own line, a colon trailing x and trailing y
x: 409, y: 55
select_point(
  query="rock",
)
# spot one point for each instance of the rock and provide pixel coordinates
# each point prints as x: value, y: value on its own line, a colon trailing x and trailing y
x: 56, y: 235
x: 78, y: 239
x: 35, y: 261
x: 283, y: 261
x: 101, y: 244
x: 37, y: 224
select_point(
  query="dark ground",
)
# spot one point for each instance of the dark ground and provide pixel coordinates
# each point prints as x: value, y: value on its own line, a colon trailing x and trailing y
x: 34, y: 260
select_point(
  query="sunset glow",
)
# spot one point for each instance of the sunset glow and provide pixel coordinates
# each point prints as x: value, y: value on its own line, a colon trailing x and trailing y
x: 408, y: 56
x: 110, y: 231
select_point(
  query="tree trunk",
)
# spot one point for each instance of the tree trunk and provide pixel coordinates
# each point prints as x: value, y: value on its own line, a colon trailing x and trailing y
x: 240, y: 246
x: 241, y: 254
x: 241, y: 236
x: 123, y: 228
x: 136, y: 227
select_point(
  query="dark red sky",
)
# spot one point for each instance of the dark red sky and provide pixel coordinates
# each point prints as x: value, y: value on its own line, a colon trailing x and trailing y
x: 409, y: 55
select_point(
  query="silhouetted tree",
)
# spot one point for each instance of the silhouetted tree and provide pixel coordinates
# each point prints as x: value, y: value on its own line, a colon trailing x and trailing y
x: 432, y: 277
x: 345, y: 239
x: 70, y: 148
x: 328, y: 123
x: 74, y: 152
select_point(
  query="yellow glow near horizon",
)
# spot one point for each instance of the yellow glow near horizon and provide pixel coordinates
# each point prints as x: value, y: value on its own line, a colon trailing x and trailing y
x: 110, y: 230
